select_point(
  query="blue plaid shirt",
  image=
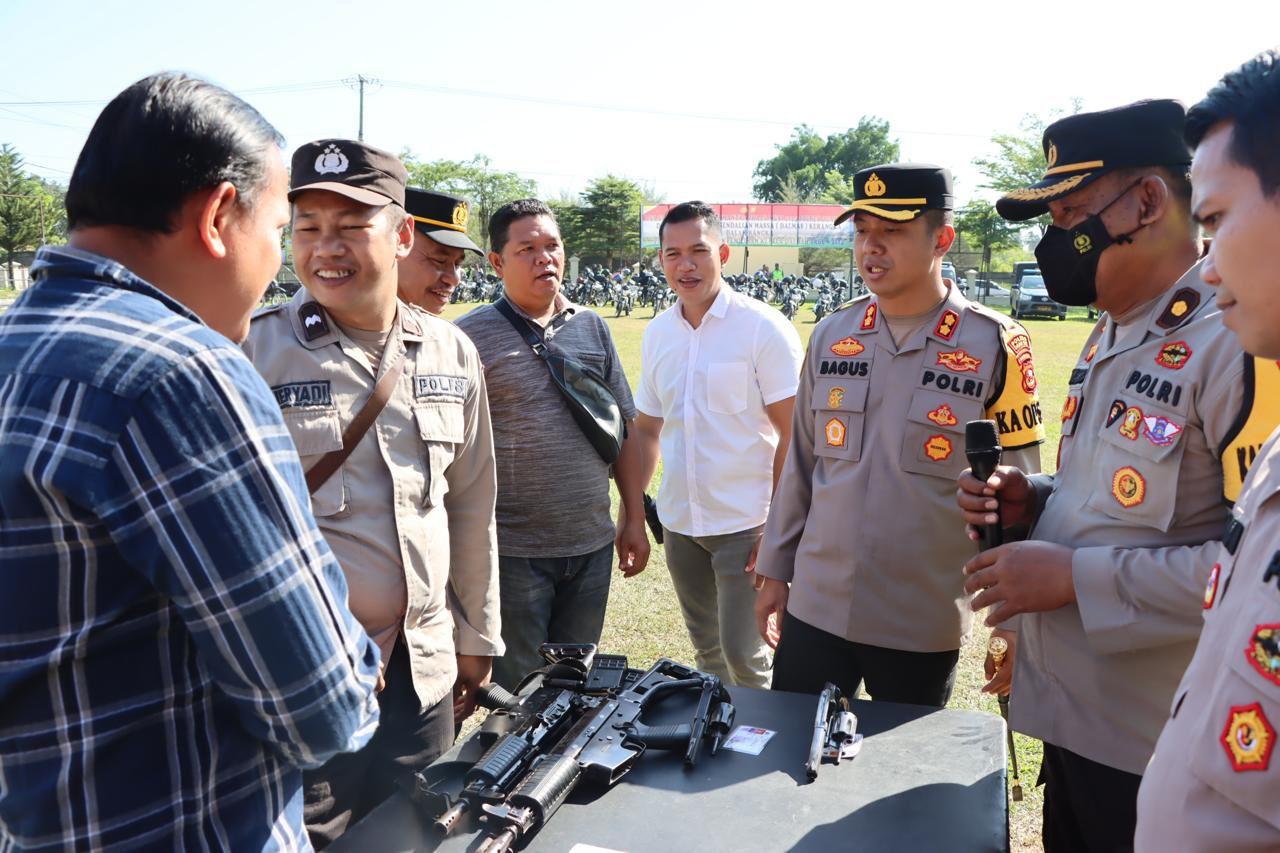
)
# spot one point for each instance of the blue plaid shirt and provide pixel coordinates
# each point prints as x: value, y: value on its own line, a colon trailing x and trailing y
x: 174, y: 638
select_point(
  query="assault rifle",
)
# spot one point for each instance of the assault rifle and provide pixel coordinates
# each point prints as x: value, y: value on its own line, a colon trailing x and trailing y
x: 578, y: 720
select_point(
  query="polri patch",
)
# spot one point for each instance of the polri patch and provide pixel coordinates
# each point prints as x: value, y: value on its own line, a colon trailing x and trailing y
x: 1174, y: 355
x: 959, y: 361
x: 847, y: 347
x: 947, y: 323
x: 938, y: 448
x: 1263, y: 651
x: 1248, y: 738
x: 943, y: 416
x: 1211, y: 588
x: 439, y: 385
x: 1128, y: 487
x: 316, y: 394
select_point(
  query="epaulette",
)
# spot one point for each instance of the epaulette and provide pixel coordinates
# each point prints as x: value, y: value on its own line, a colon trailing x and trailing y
x: 268, y: 309
x: 852, y: 302
x: 1003, y: 320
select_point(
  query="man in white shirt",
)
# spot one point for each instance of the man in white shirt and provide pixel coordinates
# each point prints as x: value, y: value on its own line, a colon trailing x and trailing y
x: 718, y: 379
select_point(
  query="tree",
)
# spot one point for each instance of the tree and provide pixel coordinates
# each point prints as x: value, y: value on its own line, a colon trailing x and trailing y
x: 610, y: 219
x: 983, y: 228
x: 1019, y: 161
x: 475, y: 180
x: 807, y: 165
x: 31, y: 209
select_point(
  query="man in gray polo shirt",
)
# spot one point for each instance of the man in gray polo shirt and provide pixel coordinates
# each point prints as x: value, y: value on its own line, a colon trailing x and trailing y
x: 555, y: 534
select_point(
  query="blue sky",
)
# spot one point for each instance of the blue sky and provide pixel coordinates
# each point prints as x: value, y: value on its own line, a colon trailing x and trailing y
x: 685, y: 96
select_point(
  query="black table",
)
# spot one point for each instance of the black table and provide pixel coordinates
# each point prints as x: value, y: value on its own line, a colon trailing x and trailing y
x: 925, y: 780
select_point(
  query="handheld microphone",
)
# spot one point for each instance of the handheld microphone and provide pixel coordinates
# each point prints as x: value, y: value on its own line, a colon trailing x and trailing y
x: 982, y: 449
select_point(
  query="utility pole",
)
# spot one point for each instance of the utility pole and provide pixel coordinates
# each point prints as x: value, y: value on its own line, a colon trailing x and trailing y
x: 360, y: 81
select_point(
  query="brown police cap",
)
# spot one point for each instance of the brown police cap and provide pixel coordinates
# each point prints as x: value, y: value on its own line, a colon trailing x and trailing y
x: 344, y: 166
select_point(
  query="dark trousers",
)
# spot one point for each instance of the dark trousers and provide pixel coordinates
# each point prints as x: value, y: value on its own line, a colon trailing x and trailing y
x: 1088, y: 807
x: 350, y: 785
x: 808, y: 657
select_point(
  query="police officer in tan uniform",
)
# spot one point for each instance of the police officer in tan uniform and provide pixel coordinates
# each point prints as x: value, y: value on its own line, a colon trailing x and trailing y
x: 409, y: 512
x: 861, y: 552
x: 1158, y: 429
x: 1211, y: 784
x: 431, y: 272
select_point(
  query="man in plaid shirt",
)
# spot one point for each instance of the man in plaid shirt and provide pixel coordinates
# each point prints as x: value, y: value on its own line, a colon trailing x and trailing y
x: 175, y: 643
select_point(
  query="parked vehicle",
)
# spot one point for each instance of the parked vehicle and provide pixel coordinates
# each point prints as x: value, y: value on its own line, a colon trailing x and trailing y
x: 1031, y: 299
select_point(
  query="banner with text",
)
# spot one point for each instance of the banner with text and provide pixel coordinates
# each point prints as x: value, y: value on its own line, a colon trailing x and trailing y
x: 805, y: 225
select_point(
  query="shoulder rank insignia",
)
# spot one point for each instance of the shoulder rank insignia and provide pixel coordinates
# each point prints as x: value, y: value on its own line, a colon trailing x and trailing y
x: 847, y: 347
x: 959, y: 361
x: 943, y: 416
x: 1179, y: 308
x: 1128, y: 487
x: 868, y: 318
x: 1263, y: 651
x: 1174, y: 356
x: 947, y: 323
x: 314, y: 324
x: 1248, y: 738
x: 938, y: 448
x: 1211, y: 588
x: 837, y: 433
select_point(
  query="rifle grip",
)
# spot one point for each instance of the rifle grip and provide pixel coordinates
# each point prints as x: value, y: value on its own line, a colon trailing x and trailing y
x: 498, y: 760
x: 664, y: 737
x: 546, y: 787
x: 493, y: 696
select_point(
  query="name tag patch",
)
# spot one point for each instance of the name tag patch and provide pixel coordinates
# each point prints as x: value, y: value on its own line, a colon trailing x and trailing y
x: 831, y: 367
x: 954, y: 384
x: 437, y: 385
x: 301, y: 395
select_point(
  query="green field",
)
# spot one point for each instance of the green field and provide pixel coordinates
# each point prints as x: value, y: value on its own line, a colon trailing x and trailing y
x: 644, y: 622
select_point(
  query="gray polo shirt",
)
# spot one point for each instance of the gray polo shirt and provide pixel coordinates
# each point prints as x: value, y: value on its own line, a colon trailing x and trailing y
x: 553, y: 488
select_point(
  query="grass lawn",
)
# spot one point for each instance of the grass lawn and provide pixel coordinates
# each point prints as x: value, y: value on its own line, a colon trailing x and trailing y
x: 644, y: 622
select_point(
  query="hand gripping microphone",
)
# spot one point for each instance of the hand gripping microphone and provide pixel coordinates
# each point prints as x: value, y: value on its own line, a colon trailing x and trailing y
x: 982, y: 449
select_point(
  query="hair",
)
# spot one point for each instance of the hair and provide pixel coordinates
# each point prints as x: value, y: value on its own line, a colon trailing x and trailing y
x: 1249, y: 98
x: 936, y: 218
x: 160, y: 140
x: 687, y: 211
x: 500, y: 222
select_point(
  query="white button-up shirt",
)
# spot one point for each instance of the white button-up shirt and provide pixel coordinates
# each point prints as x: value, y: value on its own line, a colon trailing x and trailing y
x: 710, y: 385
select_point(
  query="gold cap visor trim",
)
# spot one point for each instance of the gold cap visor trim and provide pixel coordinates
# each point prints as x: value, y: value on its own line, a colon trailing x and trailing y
x: 1074, y: 167
x: 873, y: 206
x: 1042, y: 193
x: 448, y: 225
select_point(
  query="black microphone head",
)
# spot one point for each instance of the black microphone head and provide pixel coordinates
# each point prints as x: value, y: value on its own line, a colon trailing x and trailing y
x: 981, y: 436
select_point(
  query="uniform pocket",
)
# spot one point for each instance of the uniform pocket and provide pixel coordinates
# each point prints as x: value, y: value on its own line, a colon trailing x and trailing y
x: 441, y: 426
x: 933, y: 436
x: 727, y: 387
x: 1138, y: 459
x: 839, y: 411
x: 315, y: 434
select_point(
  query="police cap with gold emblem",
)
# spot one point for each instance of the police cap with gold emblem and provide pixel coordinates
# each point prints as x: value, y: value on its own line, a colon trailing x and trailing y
x: 1081, y: 148
x: 358, y: 171
x: 900, y: 191
x: 441, y: 216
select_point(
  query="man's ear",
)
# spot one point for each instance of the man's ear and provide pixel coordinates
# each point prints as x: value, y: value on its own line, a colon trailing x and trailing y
x: 404, y: 238
x: 1154, y: 197
x: 214, y: 217
x: 495, y: 261
x: 945, y: 239
x: 724, y: 254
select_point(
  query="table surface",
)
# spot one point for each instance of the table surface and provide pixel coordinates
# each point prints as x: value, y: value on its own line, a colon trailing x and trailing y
x: 924, y: 780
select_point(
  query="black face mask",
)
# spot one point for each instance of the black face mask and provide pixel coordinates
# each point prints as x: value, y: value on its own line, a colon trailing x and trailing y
x: 1069, y: 258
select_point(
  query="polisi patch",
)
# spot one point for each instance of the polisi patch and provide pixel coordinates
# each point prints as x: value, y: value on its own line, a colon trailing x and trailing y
x: 1174, y: 355
x: 868, y: 318
x: 947, y: 323
x: 938, y: 448
x: 438, y: 385
x: 1161, y: 431
x: 837, y: 433
x: 831, y: 367
x: 954, y: 384
x: 1131, y: 425
x: 943, y: 416
x: 1211, y: 587
x: 846, y: 347
x: 959, y: 361
x: 1160, y: 390
x: 1248, y: 738
x: 1117, y: 409
x: 1128, y: 487
x: 303, y: 395
x: 1069, y: 407
x: 1263, y: 651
